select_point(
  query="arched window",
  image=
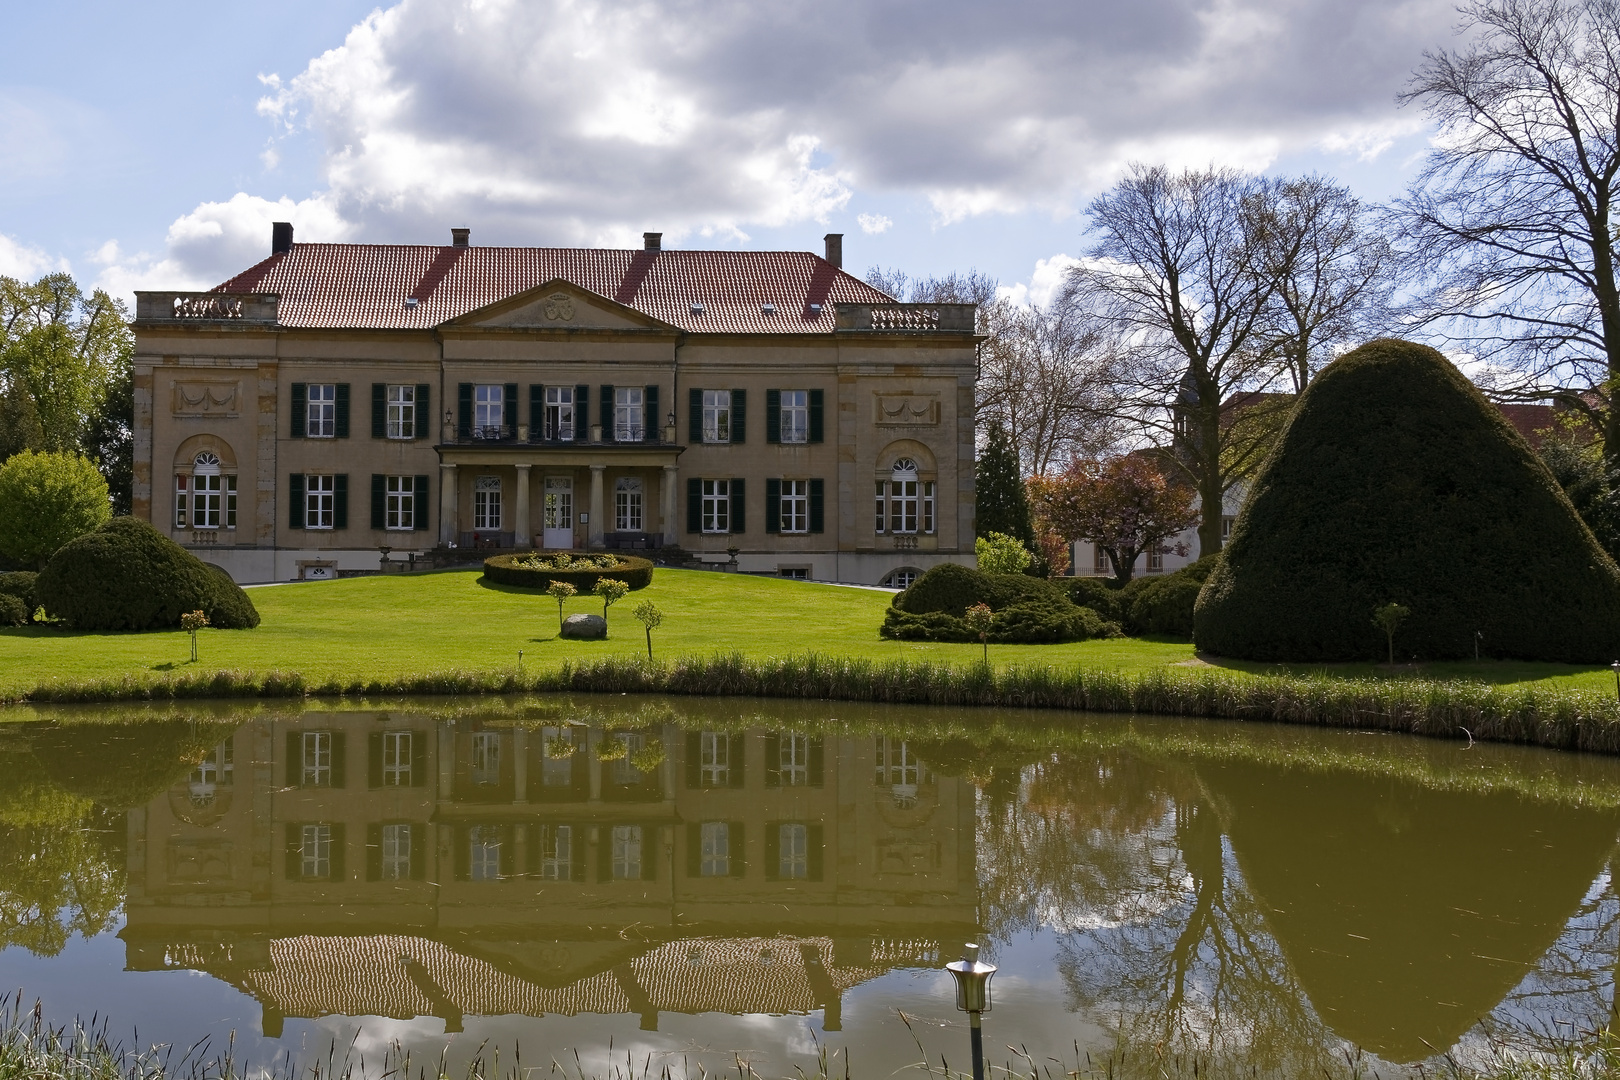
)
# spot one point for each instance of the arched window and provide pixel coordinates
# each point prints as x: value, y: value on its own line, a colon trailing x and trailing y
x: 905, y: 503
x: 205, y: 497
x: 901, y: 578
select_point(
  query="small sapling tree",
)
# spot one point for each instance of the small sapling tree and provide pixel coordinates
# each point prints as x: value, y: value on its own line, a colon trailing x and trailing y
x: 978, y: 619
x: 611, y: 590
x: 1388, y: 619
x: 191, y: 622
x: 561, y: 591
x: 648, y: 615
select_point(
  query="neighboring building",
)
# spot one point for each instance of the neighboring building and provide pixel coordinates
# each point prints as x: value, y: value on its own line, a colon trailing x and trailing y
x: 367, y: 864
x: 340, y: 399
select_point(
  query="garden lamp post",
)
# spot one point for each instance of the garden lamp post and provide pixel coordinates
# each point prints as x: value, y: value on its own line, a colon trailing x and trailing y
x: 973, y: 997
x: 1616, y: 666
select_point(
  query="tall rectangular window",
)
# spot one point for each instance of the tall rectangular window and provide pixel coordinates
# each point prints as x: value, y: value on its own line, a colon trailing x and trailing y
x: 715, y: 763
x: 484, y: 853
x: 1099, y: 559
x: 795, y: 416
x: 320, y: 418
x: 627, y: 504
x: 626, y: 852
x: 489, y: 411
x: 716, y: 506
x: 318, y: 496
x: 716, y: 416
x: 629, y: 413
x: 624, y: 771
x: 557, y: 750
x: 556, y: 852
x: 315, y: 852
x: 396, y: 751
x: 402, y: 412
x: 1155, y: 561
x: 905, y: 506
x: 486, y: 758
x: 182, y: 501
x: 487, y: 504
x: 316, y: 767
x: 793, y: 852
x: 204, y: 501
x: 217, y: 769
x: 396, y: 852
x: 795, y: 506
x: 559, y: 416
x: 897, y: 765
x: 715, y: 857
x: 794, y: 760
x: 400, y: 502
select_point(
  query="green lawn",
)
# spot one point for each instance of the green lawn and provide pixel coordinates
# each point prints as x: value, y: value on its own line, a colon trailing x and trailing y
x: 387, y: 626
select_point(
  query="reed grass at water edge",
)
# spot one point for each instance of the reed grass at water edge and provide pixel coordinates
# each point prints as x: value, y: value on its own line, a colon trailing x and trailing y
x: 1525, y: 714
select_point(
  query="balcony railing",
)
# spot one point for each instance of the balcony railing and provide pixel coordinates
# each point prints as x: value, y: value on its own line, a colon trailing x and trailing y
x: 504, y: 436
x: 206, y: 307
x: 907, y: 318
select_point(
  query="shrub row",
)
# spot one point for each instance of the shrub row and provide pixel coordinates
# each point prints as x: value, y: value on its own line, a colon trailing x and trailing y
x: 1026, y: 610
x: 1146, y: 605
x: 1528, y: 714
x: 510, y: 570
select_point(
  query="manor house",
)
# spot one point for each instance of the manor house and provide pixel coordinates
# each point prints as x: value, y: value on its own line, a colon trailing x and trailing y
x: 340, y: 404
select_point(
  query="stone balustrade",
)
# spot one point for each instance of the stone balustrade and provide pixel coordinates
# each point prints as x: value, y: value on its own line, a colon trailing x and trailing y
x: 907, y: 318
x: 195, y: 307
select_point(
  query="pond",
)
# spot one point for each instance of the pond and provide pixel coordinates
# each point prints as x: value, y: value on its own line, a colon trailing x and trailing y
x: 682, y: 881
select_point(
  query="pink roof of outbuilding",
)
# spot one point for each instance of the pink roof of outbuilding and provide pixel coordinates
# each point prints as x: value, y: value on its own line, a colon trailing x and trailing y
x: 365, y: 286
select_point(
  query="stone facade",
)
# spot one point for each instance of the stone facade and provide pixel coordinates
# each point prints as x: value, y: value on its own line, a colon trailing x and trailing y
x: 340, y: 399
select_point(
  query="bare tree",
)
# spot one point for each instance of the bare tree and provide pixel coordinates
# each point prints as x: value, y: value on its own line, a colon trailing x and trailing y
x: 1513, y: 217
x: 1177, y: 275
x: 1331, y: 267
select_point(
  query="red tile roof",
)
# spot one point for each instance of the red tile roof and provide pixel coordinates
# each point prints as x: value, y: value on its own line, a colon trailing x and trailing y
x: 365, y: 285
x: 1531, y: 420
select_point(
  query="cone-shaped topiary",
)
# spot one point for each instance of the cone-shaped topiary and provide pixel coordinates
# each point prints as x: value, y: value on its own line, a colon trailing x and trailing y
x: 1397, y: 482
x: 128, y: 576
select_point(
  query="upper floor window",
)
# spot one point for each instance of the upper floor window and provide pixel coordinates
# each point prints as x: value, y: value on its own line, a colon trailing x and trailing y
x: 629, y: 413
x: 489, y: 411
x: 556, y: 850
x: 795, y: 416
x: 716, y: 416
x: 402, y: 412
x: 559, y: 414
x: 320, y: 418
x: 905, y: 503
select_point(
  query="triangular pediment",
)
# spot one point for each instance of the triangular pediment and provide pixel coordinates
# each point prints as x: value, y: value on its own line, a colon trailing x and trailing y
x: 559, y: 305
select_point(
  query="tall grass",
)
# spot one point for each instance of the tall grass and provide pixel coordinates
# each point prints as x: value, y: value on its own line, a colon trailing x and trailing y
x: 1524, y: 714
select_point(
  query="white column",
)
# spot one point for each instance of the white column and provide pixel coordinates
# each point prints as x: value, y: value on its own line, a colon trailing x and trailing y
x: 522, y: 537
x: 449, y: 526
x: 593, y: 531
x: 670, y: 503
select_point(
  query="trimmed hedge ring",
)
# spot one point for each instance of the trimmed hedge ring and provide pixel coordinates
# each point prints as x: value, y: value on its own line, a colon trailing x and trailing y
x: 503, y: 570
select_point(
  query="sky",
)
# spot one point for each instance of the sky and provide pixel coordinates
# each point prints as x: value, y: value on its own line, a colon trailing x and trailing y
x: 150, y: 146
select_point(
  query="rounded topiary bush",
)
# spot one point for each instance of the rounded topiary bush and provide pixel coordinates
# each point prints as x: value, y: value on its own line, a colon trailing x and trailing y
x: 537, y: 570
x: 128, y: 576
x: 22, y: 586
x: 1165, y: 604
x: 1395, y: 481
x: 1026, y: 610
x: 13, y: 612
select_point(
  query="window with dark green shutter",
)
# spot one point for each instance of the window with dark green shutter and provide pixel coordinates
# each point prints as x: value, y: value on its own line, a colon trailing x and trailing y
x: 818, y: 502
x: 537, y: 411
x: 300, y: 408
x: 295, y: 501
x: 378, y: 501
x: 582, y: 413
x: 694, y: 405
x: 773, y: 503
x: 739, y: 417
x: 817, y: 410
x: 464, y: 410
x: 509, y: 410
x: 340, y: 501
x: 694, y: 504
x: 773, y: 417
x: 419, y: 510
x: 424, y: 412
x: 652, y: 425
x: 341, y: 418
x: 738, y: 507
x: 379, y: 410
x: 604, y: 411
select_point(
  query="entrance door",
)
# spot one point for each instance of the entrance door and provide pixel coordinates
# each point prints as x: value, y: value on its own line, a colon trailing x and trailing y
x: 559, y: 513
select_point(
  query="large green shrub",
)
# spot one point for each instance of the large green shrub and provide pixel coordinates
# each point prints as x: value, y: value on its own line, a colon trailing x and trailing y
x: 1395, y: 481
x: 537, y: 570
x: 1027, y: 610
x: 46, y: 500
x: 13, y: 612
x: 128, y: 576
x: 1101, y: 595
x: 1164, y: 605
x: 22, y: 585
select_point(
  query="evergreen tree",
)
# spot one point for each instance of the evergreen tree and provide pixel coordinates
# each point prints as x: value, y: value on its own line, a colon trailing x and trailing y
x: 1002, y: 506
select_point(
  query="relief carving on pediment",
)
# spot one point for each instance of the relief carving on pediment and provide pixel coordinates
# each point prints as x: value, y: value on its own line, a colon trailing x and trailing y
x: 207, y: 398
x: 558, y: 307
x: 907, y: 410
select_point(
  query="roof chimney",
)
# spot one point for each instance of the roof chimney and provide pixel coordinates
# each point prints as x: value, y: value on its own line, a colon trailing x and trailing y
x: 652, y: 241
x: 458, y: 237
x: 280, y: 237
x: 835, y: 249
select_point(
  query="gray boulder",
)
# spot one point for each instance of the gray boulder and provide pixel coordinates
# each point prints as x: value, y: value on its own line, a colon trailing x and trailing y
x: 584, y: 627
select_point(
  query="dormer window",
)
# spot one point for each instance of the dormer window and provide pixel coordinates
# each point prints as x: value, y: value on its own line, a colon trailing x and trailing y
x: 697, y: 307
x: 815, y: 311
x: 767, y: 309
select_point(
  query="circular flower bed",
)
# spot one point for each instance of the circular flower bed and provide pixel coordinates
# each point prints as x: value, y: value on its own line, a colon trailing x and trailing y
x: 539, y: 569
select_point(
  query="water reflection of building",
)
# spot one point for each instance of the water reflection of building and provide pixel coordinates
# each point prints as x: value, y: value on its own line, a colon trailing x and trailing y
x: 379, y: 864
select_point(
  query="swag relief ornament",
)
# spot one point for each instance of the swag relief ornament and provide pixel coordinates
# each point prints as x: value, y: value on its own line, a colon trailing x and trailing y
x: 207, y: 398
x: 907, y: 410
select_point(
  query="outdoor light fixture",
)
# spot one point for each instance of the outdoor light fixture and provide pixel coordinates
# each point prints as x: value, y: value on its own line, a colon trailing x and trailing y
x: 973, y: 990
x: 1616, y: 666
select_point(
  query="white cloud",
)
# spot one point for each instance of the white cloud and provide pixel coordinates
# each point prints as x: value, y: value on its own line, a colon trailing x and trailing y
x: 872, y: 224
x: 25, y: 261
x: 1044, y: 283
